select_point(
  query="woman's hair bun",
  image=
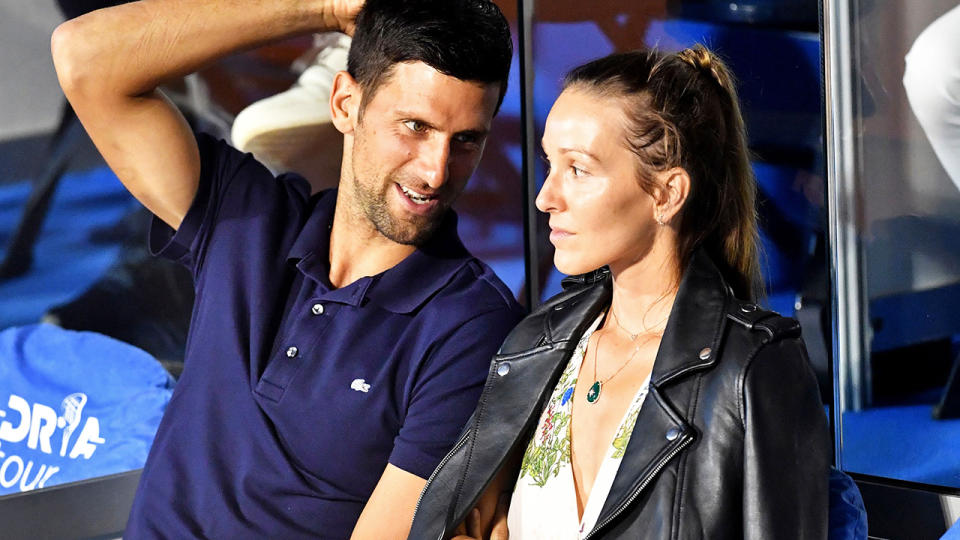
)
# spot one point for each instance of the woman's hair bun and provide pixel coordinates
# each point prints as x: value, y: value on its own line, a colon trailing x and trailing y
x: 702, y: 60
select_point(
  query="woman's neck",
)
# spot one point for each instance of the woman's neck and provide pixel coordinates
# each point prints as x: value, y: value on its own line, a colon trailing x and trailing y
x: 643, y: 291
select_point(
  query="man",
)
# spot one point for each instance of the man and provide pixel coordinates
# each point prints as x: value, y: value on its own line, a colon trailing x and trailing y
x: 339, y: 342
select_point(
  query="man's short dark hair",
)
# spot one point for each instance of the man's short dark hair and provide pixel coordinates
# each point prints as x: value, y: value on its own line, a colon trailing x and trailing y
x: 466, y: 39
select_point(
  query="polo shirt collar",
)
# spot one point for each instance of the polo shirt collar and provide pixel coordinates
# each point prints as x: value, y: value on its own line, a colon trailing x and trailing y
x: 401, y: 289
x: 406, y: 286
x: 314, y: 236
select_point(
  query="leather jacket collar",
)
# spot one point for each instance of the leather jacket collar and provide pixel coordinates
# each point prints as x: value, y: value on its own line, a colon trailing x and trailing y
x: 702, y: 300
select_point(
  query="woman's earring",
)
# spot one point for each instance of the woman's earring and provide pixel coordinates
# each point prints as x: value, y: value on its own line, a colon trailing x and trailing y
x: 659, y: 219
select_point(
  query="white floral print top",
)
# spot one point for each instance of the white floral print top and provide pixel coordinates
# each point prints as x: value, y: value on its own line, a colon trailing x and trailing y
x: 544, y: 502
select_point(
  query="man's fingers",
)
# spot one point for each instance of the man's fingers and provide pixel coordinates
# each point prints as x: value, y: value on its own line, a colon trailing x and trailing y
x: 346, y: 12
x: 474, y: 529
x: 500, y: 531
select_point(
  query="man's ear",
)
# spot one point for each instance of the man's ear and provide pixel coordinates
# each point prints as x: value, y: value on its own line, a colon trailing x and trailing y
x: 345, y: 97
x: 672, y: 193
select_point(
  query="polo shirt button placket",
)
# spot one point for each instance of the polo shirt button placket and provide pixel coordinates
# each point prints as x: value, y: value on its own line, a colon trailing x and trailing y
x: 317, y: 309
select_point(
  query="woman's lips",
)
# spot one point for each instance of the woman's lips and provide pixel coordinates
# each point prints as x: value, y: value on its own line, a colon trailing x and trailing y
x: 557, y: 235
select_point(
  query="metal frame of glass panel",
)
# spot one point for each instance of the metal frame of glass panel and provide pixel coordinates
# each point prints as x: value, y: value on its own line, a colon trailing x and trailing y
x: 848, y: 310
x: 525, y: 10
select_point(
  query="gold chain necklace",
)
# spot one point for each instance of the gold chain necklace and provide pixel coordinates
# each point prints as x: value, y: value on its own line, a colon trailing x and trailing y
x: 633, y: 337
x: 593, y: 394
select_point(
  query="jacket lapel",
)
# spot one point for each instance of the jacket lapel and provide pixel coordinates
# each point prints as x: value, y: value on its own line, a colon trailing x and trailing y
x: 519, y: 385
x: 691, y: 342
x: 663, y: 435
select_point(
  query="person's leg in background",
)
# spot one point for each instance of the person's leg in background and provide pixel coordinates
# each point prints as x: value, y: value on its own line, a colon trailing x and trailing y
x: 291, y: 131
x: 932, y: 83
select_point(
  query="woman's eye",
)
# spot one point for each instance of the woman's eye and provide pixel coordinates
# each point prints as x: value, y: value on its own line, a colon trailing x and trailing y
x: 546, y: 164
x: 577, y: 171
x: 415, y: 125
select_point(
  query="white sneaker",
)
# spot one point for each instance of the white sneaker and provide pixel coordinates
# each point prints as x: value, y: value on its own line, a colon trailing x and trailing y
x: 291, y: 131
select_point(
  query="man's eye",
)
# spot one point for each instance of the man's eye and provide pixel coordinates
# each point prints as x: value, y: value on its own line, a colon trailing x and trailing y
x: 577, y: 171
x: 415, y: 125
x: 466, y: 139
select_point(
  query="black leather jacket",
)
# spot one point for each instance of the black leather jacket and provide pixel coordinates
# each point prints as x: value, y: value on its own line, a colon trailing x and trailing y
x: 731, y: 441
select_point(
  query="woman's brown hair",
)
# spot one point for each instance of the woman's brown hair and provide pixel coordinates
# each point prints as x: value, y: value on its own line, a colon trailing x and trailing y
x: 682, y: 111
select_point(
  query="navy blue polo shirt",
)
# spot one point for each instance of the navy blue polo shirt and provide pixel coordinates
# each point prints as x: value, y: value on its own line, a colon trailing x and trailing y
x: 295, y: 395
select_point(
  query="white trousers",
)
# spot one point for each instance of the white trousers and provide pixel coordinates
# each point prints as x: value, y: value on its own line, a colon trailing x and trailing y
x: 932, y: 81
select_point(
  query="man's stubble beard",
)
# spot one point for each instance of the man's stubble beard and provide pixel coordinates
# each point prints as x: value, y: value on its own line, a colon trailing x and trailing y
x: 374, y: 206
x: 372, y: 203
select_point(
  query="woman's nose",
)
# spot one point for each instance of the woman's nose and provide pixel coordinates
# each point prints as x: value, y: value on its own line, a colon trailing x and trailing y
x: 547, y: 200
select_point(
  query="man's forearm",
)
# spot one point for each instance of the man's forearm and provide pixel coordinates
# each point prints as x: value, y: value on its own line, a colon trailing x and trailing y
x: 130, y: 49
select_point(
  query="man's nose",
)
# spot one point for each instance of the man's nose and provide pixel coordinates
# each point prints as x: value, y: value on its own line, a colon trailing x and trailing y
x: 435, y: 162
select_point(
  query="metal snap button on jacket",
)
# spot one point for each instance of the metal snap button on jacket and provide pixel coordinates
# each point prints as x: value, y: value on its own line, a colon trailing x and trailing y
x: 503, y: 369
x: 673, y: 433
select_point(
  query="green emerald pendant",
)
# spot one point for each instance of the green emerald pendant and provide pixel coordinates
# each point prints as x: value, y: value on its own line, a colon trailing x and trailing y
x: 594, y: 393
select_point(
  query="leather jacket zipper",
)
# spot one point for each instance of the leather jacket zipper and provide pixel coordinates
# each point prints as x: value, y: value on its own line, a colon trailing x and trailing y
x: 646, y: 481
x: 459, y: 444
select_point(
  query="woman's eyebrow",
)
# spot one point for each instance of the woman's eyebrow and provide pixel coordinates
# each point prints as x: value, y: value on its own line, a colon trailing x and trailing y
x: 578, y: 150
x: 566, y: 149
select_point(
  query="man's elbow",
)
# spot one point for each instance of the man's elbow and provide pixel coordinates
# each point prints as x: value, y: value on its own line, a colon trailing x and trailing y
x: 63, y: 44
x: 73, y: 59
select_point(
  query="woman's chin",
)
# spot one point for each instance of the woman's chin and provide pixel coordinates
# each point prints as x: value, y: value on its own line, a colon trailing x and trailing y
x: 571, y: 265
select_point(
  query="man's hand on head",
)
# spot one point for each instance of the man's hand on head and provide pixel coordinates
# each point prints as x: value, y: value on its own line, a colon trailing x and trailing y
x: 343, y: 14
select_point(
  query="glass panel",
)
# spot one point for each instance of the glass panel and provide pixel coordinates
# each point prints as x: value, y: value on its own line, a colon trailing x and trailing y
x: 897, y: 75
x: 773, y: 49
x: 491, y: 207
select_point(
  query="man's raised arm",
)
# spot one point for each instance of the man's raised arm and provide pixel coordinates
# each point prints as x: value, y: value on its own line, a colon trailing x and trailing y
x: 111, y: 61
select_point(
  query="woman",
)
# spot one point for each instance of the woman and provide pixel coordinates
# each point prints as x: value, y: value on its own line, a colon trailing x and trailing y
x: 650, y: 399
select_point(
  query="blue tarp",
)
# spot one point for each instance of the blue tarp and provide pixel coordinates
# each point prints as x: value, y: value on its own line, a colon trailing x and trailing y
x: 74, y: 405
